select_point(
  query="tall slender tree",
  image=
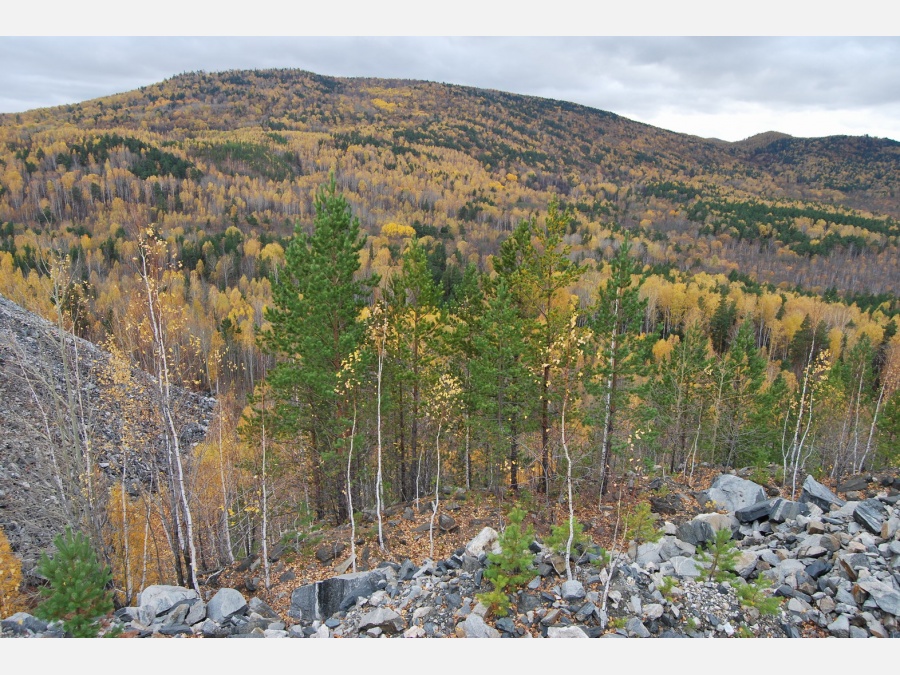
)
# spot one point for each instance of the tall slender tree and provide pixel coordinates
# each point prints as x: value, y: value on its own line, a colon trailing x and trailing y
x: 616, y: 319
x: 535, y: 262
x: 412, y: 299
x: 315, y: 324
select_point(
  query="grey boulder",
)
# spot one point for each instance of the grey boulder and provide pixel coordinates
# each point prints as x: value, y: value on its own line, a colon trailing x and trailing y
x: 816, y: 493
x: 886, y: 597
x: 870, y: 514
x: 572, y: 590
x: 386, y: 619
x: 732, y: 493
x: 565, y: 632
x: 475, y: 627
x: 695, y: 532
x: 159, y: 599
x: 226, y: 603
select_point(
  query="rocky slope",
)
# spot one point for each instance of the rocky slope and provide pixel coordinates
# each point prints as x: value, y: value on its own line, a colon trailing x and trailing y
x: 50, y: 381
x: 833, y: 563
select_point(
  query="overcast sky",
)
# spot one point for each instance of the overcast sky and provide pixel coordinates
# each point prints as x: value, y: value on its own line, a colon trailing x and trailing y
x: 729, y: 88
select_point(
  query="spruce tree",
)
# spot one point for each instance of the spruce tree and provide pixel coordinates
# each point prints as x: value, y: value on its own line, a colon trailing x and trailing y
x: 315, y: 327
x: 78, y: 593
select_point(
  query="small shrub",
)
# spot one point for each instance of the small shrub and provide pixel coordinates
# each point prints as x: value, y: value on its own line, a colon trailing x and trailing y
x: 666, y: 586
x: 640, y: 525
x: 754, y: 595
x: 511, y: 567
x: 618, y: 622
x: 760, y: 475
x: 78, y: 593
x: 559, y: 536
x: 720, y: 555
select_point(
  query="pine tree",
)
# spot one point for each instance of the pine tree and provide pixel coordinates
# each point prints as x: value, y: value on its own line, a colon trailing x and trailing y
x: 721, y: 556
x: 78, y: 593
x: 737, y: 378
x: 512, y: 566
x: 535, y: 262
x: 501, y: 372
x: 616, y: 318
x: 315, y: 325
x: 412, y: 299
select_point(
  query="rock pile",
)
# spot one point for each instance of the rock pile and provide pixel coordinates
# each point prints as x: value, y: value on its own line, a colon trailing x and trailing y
x: 836, y: 571
x: 39, y: 369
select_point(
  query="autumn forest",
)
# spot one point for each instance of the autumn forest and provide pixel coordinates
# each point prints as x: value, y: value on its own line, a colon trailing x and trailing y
x: 393, y: 286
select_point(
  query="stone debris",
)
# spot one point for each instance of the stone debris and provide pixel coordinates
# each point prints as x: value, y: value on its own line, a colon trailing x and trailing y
x: 833, y: 575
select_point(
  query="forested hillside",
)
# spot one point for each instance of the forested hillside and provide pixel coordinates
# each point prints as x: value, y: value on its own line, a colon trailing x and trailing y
x: 393, y: 285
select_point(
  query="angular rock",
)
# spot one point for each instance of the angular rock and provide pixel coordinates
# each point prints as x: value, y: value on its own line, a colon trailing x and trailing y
x: 745, y: 563
x: 649, y: 553
x: 572, y: 590
x: 446, y: 523
x: 886, y: 597
x: 176, y: 629
x: 671, y: 547
x: 506, y: 624
x: 784, y: 509
x: 757, y: 511
x: 344, y: 566
x: 686, y: 567
x: 890, y: 527
x: 386, y: 619
x: 407, y: 569
x: 732, y: 493
x: 226, y: 603
x: 159, y: 599
x: 636, y: 628
x: 305, y: 603
x: 671, y: 504
x: 328, y: 552
x: 21, y: 623
x: 719, y: 521
x: 816, y: 493
x: 854, y: 484
x: 196, y: 611
x: 870, y: 514
x: 475, y: 627
x: 341, y: 592
x: 695, y: 532
x: 653, y: 611
x: 566, y: 632
x: 840, y: 627
x: 818, y: 568
x: 262, y: 608
x: 558, y: 563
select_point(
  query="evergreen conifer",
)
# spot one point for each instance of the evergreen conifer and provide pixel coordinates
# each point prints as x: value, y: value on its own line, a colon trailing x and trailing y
x: 78, y: 593
x: 512, y: 566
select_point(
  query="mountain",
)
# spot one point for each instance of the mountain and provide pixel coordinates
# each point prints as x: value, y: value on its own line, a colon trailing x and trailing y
x: 224, y: 165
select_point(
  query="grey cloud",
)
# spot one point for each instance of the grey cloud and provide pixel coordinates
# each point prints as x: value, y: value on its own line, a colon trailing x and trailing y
x: 636, y: 77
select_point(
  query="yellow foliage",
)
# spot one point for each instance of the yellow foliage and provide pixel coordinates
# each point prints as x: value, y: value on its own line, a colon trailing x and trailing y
x: 11, y: 599
x: 397, y: 230
x: 663, y: 348
x: 384, y: 105
x: 141, y: 555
